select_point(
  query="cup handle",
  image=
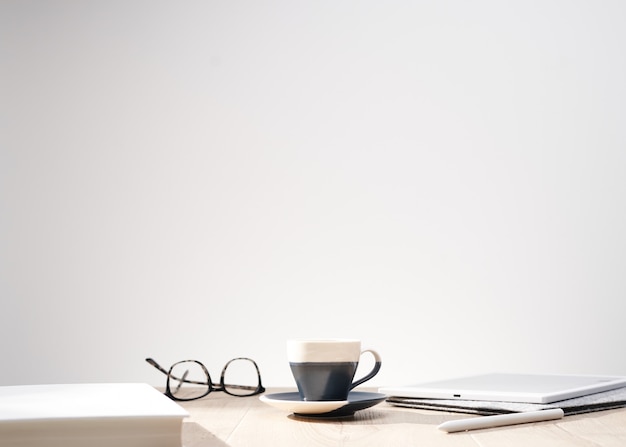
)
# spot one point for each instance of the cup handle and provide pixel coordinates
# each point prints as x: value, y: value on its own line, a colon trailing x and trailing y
x: 374, y: 370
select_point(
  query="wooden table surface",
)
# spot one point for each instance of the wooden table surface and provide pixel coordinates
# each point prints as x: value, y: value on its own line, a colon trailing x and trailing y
x: 223, y: 420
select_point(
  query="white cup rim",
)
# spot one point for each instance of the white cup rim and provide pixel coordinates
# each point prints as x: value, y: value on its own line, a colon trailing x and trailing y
x: 324, y: 350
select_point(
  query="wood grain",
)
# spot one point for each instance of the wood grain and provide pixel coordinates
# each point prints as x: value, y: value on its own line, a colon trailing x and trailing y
x: 225, y: 420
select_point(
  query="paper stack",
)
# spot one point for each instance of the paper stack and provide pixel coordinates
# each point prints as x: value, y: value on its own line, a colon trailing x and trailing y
x: 605, y: 400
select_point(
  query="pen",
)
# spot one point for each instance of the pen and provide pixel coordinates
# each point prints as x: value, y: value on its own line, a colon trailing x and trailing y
x: 500, y: 420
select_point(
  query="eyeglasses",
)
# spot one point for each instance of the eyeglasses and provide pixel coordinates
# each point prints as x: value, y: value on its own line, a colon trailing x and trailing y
x: 190, y: 380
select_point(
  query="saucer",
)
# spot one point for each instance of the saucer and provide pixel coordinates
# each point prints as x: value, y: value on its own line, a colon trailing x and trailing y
x: 357, y: 400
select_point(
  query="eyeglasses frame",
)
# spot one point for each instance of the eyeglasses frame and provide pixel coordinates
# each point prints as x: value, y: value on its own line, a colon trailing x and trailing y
x: 211, y: 386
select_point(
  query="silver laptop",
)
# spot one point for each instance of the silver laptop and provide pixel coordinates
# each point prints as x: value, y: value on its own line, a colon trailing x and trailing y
x: 505, y: 387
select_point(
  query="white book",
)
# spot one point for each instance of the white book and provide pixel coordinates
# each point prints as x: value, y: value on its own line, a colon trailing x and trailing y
x: 93, y: 415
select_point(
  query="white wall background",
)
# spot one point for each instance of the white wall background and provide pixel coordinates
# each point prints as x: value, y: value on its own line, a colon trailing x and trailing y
x: 205, y: 179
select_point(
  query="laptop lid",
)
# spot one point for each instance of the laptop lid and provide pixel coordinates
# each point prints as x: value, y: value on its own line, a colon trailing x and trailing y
x: 507, y: 387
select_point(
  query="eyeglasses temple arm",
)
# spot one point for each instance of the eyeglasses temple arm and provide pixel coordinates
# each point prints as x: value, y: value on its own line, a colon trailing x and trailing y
x: 151, y: 361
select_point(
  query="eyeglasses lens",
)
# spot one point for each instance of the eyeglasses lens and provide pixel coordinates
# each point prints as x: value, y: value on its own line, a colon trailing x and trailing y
x: 188, y: 380
x: 241, y: 377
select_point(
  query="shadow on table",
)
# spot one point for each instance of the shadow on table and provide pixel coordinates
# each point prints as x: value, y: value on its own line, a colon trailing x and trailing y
x: 383, y: 415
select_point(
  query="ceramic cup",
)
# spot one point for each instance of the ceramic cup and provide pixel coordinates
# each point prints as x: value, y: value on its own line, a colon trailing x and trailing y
x: 324, y: 369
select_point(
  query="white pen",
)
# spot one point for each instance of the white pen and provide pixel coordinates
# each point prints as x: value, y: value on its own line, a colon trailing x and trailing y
x: 500, y: 420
